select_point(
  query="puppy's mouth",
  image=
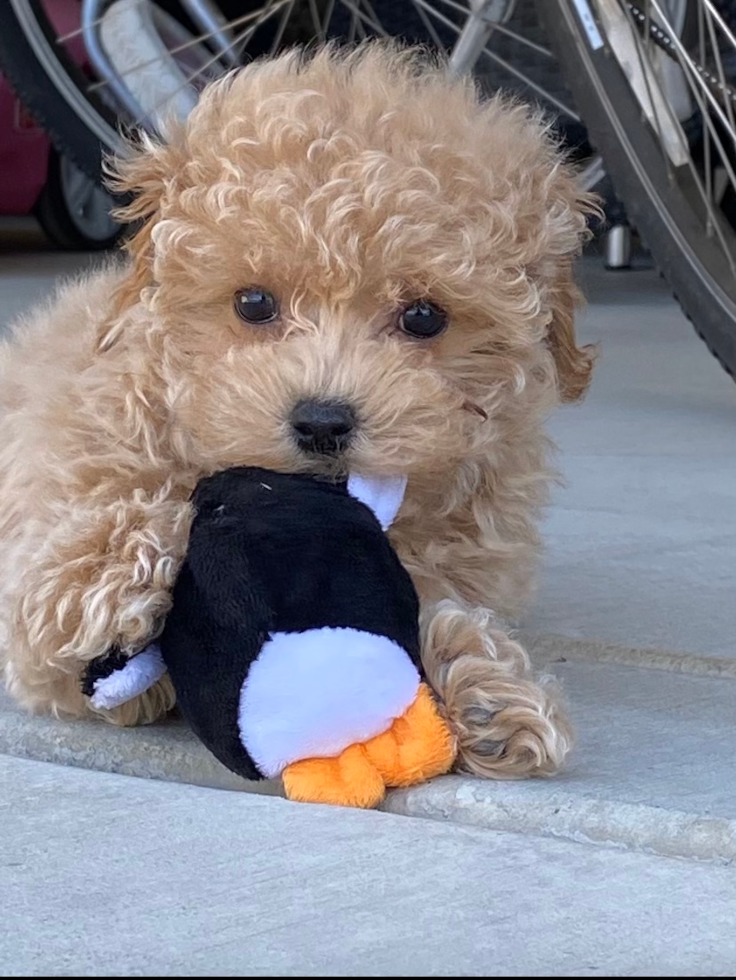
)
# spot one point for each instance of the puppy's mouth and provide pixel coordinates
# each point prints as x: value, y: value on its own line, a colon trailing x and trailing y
x: 332, y: 469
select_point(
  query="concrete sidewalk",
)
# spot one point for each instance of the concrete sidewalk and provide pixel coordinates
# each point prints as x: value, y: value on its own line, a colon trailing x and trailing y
x: 109, y: 876
x: 641, y: 543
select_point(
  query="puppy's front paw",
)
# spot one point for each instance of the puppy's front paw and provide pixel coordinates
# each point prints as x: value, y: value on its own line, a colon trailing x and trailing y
x: 510, y: 731
x: 507, y: 724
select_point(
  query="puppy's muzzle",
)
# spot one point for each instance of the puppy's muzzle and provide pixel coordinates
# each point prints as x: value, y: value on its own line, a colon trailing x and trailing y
x: 323, y: 428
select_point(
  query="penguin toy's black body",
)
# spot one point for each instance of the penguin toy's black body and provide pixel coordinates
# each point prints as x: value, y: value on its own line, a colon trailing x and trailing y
x: 275, y: 559
x: 293, y: 633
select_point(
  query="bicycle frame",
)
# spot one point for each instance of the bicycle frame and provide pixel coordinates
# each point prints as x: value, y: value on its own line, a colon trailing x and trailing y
x: 484, y: 15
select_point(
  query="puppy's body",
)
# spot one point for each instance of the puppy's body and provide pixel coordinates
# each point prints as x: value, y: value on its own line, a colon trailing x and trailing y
x: 348, y: 188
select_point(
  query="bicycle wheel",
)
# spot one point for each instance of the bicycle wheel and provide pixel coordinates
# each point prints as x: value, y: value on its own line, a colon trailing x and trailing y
x: 139, y: 66
x: 668, y: 146
x: 54, y: 64
x: 49, y: 79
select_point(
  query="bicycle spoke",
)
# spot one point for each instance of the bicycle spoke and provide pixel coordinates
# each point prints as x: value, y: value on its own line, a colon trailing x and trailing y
x: 463, y: 9
x: 691, y: 70
x: 360, y: 18
x: 557, y: 103
x: 502, y: 63
x: 353, y: 29
x: 63, y: 38
x: 701, y: 93
x: 705, y: 10
x: 712, y: 221
x: 720, y: 21
x: 328, y: 16
x: 370, y: 10
x: 439, y: 16
x: 282, y: 27
x: 656, y: 105
x: 264, y: 15
x: 520, y: 39
x: 316, y: 20
x: 499, y: 28
x: 709, y: 227
x: 429, y: 27
x: 186, y: 45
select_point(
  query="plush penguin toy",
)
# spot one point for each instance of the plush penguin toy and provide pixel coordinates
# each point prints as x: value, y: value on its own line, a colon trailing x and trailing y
x: 293, y: 639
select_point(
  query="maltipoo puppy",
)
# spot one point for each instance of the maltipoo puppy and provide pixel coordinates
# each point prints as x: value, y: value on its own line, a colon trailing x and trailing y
x: 344, y: 263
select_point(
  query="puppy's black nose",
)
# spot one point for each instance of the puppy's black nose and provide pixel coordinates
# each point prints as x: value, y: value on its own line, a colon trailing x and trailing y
x: 322, y: 427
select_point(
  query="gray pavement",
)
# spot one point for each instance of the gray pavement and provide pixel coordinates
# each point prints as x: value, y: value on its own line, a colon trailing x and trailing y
x: 110, y: 876
x: 641, y: 544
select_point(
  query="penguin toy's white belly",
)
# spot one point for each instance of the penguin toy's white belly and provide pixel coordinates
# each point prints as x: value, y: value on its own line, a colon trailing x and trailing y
x: 314, y: 693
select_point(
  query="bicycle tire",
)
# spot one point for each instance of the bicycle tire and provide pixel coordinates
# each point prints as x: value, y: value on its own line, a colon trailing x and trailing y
x: 54, y: 214
x: 52, y: 110
x: 694, y: 267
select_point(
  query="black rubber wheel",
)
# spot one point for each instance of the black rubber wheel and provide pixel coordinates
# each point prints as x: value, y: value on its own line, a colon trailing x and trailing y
x: 693, y: 264
x: 23, y: 65
x: 72, y: 220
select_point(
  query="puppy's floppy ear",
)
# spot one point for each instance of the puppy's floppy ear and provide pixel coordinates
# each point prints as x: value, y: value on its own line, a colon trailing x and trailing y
x: 568, y: 209
x: 574, y: 364
x: 141, y: 178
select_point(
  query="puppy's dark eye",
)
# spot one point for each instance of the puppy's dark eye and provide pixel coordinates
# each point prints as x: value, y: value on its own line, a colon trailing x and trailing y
x: 256, y: 305
x: 423, y: 319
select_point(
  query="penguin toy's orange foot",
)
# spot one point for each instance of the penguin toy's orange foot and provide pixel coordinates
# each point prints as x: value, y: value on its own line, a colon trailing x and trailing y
x: 349, y: 779
x: 417, y: 746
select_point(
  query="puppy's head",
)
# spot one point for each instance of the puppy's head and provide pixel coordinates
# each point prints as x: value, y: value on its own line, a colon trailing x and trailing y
x: 350, y: 262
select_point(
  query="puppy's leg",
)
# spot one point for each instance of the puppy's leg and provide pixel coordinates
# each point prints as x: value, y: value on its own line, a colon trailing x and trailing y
x: 101, y: 579
x: 507, y: 724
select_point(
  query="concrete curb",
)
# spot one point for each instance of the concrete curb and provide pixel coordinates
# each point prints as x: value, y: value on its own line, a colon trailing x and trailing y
x: 541, y: 809
x: 654, y: 771
x: 171, y: 753
x: 168, y: 750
